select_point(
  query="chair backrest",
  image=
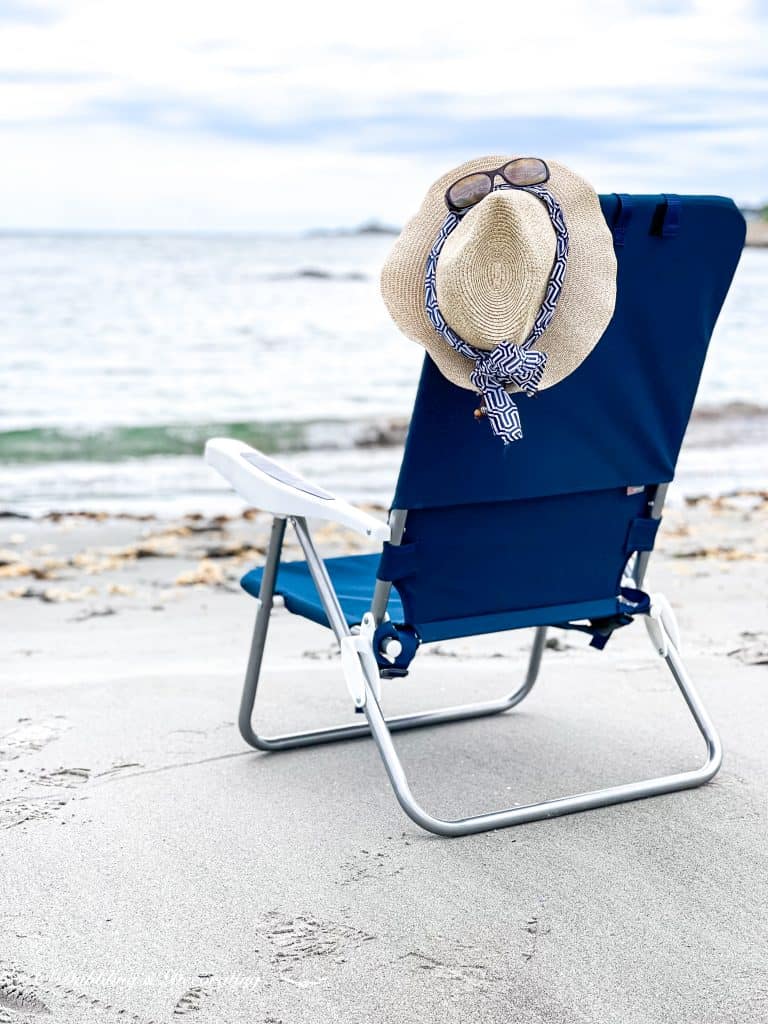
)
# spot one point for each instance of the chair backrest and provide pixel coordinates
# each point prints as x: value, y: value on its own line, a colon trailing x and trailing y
x: 549, y: 521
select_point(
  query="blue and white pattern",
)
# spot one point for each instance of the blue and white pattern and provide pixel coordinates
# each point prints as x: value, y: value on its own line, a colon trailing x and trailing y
x: 506, y: 363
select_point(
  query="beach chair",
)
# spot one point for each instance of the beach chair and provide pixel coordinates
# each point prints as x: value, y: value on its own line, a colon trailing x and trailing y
x: 554, y: 530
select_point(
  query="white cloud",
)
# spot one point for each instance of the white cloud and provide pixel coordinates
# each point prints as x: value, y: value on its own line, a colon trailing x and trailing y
x: 186, y: 115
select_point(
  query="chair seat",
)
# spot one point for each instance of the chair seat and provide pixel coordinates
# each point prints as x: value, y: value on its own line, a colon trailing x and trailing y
x: 353, y: 578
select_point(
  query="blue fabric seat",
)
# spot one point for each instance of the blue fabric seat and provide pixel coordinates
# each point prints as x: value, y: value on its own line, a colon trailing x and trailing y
x: 353, y: 578
x: 539, y: 532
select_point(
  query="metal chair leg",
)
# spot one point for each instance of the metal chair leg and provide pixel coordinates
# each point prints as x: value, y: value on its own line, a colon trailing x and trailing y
x: 381, y: 728
x: 332, y: 734
x: 395, y: 723
x: 563, y: 805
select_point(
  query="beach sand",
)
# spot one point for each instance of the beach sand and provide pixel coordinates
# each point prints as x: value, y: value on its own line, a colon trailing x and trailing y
x: 154, y: 867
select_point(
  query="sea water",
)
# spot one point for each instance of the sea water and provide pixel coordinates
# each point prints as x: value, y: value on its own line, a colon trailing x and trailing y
x: 121, y: 355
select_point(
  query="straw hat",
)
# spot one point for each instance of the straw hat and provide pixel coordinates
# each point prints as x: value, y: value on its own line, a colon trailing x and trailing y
x: 493, y: 270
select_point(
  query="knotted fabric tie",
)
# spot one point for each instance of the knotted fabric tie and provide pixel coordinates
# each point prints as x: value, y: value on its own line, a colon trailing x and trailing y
x: 506, y: 363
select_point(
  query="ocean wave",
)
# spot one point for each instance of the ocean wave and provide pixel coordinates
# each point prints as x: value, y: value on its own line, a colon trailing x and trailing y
x: 121, y: 443
x: 710, y: 426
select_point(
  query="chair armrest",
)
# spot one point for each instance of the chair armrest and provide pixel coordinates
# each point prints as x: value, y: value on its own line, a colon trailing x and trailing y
x: 265, y: 484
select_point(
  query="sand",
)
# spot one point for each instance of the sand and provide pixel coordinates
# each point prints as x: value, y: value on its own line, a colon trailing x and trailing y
x: 153, y: 867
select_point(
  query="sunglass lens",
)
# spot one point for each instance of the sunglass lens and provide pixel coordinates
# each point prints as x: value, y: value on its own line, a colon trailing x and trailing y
x: 469, y: 190
x: 528, y: 170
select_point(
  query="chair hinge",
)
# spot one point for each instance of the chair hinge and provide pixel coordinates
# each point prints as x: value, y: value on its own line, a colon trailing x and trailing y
x: 661, y: 623
x: 358, y: 662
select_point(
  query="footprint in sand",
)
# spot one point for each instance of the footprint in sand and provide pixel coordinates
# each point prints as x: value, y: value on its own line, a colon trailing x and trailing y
x: 293, y: 940
x: 17, y: 995
x: 30, y: 736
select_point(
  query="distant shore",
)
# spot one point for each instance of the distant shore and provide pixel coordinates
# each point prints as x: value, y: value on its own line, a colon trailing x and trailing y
x: 757, y: 232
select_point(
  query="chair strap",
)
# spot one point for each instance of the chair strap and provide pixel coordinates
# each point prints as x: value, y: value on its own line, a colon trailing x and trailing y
x: 621, y: 217
x: 666, y: 218
x: 398, y: 562
x: 641, y: 534
x: 601, y: 630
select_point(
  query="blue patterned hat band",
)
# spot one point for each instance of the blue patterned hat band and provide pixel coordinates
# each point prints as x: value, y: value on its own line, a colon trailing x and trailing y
x: 506, y: 363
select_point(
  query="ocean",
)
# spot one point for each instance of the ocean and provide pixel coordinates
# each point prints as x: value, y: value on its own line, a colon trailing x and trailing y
x: 121, y: 355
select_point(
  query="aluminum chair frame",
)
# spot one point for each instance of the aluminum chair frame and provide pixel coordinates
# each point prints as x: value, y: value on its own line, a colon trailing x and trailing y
x: 662, y: 632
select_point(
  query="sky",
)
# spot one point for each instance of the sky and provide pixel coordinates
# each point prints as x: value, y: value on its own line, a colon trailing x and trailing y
x: 273, y: 116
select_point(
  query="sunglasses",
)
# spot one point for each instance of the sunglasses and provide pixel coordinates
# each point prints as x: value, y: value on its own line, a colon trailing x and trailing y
x: 469, y: 190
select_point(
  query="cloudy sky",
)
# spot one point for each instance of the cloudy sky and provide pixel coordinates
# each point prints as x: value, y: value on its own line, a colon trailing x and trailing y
x: 275, y: 115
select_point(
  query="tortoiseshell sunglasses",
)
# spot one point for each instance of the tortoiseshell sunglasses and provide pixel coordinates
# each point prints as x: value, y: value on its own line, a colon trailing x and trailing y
x: 469, y: 190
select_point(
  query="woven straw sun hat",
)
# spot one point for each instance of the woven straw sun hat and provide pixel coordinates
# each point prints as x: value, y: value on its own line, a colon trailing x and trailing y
x: 493, y: 271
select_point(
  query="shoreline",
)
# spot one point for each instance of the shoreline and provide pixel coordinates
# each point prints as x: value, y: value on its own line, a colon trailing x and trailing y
x: 194, y: 519
x: 723, y: 453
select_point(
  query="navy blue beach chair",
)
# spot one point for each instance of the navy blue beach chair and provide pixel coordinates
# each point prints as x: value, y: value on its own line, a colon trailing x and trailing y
x: 554, y: 530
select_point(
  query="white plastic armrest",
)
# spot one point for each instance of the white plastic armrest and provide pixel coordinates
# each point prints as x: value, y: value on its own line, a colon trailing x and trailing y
x: 265, y: 484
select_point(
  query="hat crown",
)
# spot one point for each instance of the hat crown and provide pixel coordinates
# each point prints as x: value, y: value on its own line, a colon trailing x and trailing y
x: 493, y: 270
